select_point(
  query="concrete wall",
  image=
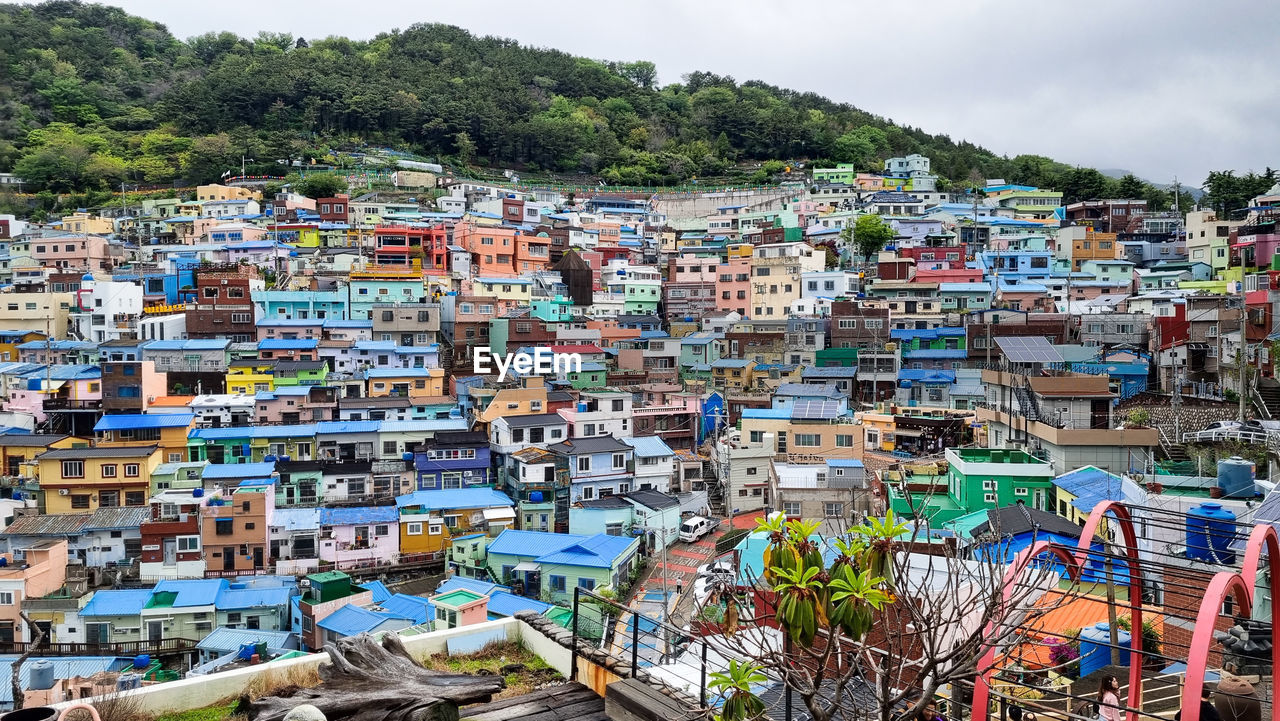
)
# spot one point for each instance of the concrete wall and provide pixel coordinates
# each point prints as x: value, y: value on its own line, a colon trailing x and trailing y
x: 684, y: 205
x: 193, y: 693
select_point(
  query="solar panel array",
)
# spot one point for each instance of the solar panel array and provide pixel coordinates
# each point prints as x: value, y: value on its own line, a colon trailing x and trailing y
x: 1028, y: 349
x: 815, y: 410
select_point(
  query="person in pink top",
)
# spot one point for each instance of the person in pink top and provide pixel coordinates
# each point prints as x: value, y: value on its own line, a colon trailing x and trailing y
x: 1109, y: 700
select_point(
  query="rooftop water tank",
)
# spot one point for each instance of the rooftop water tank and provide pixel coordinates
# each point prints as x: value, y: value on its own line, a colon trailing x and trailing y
x: 1095, y: 648
x: 1210, y: 530
x: 406, y: 456
x: 269, y: 458
x: 197, y: 493
x: 141, y: 661
x: 535, y: 496
x: 582, y: 407
x: 41, y: 676
x: 1235, y: 477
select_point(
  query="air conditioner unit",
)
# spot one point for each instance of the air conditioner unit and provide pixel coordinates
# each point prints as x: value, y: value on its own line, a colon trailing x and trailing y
x: 64, y: 491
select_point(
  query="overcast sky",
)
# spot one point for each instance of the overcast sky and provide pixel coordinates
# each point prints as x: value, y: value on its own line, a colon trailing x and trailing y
x: 1162, y: 88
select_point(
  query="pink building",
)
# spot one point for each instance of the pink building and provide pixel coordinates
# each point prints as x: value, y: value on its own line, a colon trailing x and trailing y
x: 687, y: 268
x: 352, y: 537
x: 73, y: 252
x: 459, y: 608
x: 1032, y: 301
x: 44, y: 572
x: 733, y: 285
x: 58, y: 392
x: 290, y: 329
x: 295, y: 404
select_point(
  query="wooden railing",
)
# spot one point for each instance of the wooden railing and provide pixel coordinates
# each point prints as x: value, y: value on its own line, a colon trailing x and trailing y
x: 123, y: 648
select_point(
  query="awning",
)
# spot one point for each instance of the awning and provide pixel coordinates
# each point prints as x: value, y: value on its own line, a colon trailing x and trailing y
x: 499, y: 514
x: 909, y: 432
x: 525, y: 566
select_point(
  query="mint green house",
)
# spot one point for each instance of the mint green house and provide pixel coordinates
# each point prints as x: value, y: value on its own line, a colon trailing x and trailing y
x: 365, y: 292
x: 701, y: 348
x: 591, y: 377
x: 553, y: 310
x: 556, y: 563
x: 300, y: 373
x: 836, y: 357
x: 980, y: 479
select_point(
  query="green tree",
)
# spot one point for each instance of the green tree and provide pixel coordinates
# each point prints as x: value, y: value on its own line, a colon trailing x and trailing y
x: 321, y: 185
x: 1130, y: 187
x: 870, y: 235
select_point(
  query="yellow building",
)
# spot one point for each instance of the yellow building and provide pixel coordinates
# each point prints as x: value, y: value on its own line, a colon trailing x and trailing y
x: 82, y: 480
x: 11, y: 339
x: 225, y: 192
x: 130, y: 430
x: 42, y: 312
x: 801, y: 440
x: 19, y: 450
x: 733, y: 373
x: 430, y: 520
x: 88, y: 224
x: 404, y: 382
x: 250, y: 376
x: 527, y: 400
x: 509, y: 291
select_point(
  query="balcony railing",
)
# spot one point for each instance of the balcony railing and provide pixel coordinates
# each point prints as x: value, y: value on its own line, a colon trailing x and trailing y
x: 124, y: 648
x: 63, y: 404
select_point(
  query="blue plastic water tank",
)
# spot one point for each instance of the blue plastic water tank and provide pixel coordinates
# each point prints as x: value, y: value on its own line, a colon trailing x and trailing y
x: 1235, y: 477
x: 1210, y: 530
x: 197, y: 493
x: 3, y: 562
x: 283, y: 459
x: 269, y: 458
x: 141, y: 661
x: 17, y: 495
x: 408, y: 456
x: 41, y: 676
x: 534, y: 497
x: 582, y: 407
x: 1095, y: 648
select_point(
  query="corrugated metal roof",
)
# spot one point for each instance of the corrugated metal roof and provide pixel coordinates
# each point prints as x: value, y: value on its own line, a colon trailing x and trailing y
x: 124, y: 602
x: 232, y: 639
x: 649, y: 446
x: 193, y: 592
x: 299, y: 431
x: 97, y: 452
x: 484, y: 588
x: 348, y: 427
x: 130, y: 422
x: 414, y: 608
x: 365, y: 514
x: 233, y: 598
x: 296, y: 519
x: 352, y: 620
x: 379, y: 590
x: 118, y: 518
x: 282, y: 344
x: 455, y: 498
x: 502, y: 603
x: 58, y: 524
x: 30, y: 440
x: 238, y: 470
x: 63, y: 668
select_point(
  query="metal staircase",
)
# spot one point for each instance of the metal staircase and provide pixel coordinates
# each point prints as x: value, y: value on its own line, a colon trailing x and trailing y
x: 1027, y: 402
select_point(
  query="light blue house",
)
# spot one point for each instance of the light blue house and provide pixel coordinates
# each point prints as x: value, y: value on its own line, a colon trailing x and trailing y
x: 556, y: 563
x: 597, y: 467
x: 649, y: 515
x: 303, y: 304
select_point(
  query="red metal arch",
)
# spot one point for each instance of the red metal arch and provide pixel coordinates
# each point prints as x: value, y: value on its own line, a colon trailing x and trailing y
x: 1124, y: 521
x: 1242, y: 586
x: 981, y: 708
x: 1223, y: 582
x: 1075, y: 564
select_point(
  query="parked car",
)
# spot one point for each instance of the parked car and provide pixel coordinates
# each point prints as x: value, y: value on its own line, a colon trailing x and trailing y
x: 696, y: 527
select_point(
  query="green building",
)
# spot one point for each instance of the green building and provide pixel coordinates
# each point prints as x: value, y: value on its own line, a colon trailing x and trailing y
x: 556, y: 563
x: 836, y: 358
x: 978, y: 479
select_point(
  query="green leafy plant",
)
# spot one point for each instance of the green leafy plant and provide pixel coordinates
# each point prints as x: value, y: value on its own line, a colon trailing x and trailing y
x: 740, y: 703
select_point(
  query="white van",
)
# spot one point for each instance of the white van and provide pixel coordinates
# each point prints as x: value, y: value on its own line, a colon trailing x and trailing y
x: 694, y: 528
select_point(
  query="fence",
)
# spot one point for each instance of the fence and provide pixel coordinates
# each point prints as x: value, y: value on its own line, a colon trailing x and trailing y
x: 665, y: 655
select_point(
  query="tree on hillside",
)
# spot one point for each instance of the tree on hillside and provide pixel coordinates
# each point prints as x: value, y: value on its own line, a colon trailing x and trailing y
x: 1226, y: 192
x: 1130, y: 187
x: 321, y: 185
x: 871, y: 235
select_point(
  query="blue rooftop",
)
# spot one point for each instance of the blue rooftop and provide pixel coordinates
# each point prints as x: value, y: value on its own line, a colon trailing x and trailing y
x: 503, y: 603
x: 455, y: 498
x: 220, y: 471
x: 133, y: 421
x: 124, y: 602
x: 235, y: 598
x: 415, y: 608
x: 936, y: 353
x: 353, y: 516
x: 565, y: 549
x: 352, y: 620
x: 649, y: 447
x: 193, y: 592
x: 282, y: 344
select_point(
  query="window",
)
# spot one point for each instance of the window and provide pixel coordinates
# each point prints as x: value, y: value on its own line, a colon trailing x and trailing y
x: 584, y: 464
x: 109, y: 499
x: 588, y: 493
x: 619, y: 460
x: 108, y: 470
x: 557, y: 583
x: 810, y: 440
x: 223, y: 527
x: 752, y: 471
x: 131, y: 470
x: 73, y: 469
x: 587, y: 583
x: 833, y: 509
x: 435, y: 529
x: 188, y: 543
x: 989, y: 498
x: 413, y: 529
x: 844, y: 441
x: 791, y: 508
x: 6, y: 598
x: 80, y: 500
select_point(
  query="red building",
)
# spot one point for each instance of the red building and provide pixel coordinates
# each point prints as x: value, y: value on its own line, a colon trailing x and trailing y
x: 400, y: 245
x: 224, y: 303
x: 333, y: 210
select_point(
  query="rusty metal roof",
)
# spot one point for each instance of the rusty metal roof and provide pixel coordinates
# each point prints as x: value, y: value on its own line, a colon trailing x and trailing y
x: 58, y: 524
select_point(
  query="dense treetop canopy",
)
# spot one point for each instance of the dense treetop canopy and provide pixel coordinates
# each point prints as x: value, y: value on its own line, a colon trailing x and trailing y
x: 93, y: 96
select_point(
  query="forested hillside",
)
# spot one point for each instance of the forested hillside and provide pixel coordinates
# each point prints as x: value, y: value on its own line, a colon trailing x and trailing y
x: 92, y: 96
